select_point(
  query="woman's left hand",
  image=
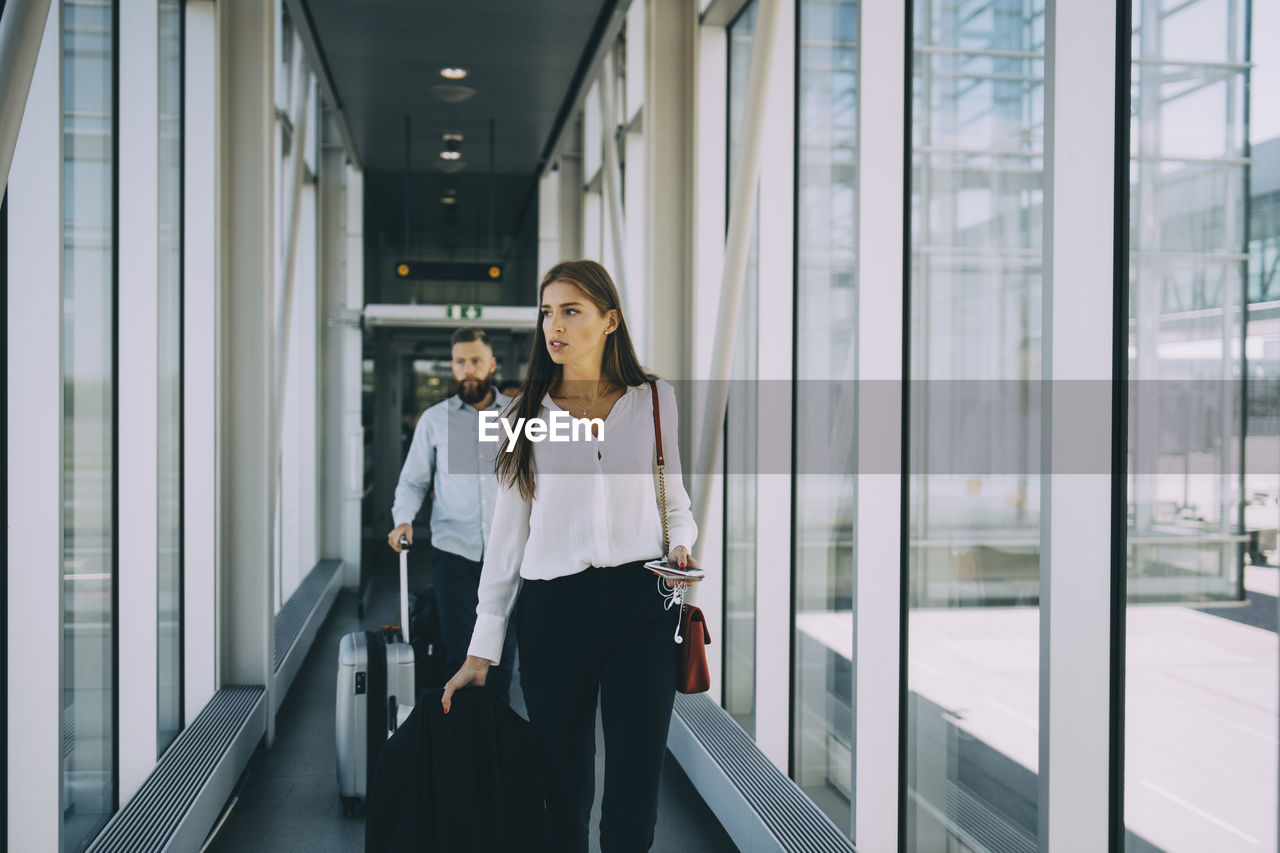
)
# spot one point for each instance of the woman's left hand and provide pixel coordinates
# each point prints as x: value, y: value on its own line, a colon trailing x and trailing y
x: 681, y: 557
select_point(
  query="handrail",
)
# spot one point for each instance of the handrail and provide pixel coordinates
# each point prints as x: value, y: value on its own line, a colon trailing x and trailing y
x: 21, y: 31
x: 745, y: 186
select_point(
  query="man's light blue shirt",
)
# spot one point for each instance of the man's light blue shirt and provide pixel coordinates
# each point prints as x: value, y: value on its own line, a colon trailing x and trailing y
x: 446, y: 448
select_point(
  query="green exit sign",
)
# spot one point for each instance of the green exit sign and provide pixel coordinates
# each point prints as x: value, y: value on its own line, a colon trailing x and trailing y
x: 463, y: 312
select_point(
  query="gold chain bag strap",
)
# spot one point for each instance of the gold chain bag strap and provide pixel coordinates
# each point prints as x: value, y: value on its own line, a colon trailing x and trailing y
x: 692, y: 636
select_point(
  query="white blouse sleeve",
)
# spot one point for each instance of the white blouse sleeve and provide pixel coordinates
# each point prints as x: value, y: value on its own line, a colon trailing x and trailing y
x: 681, y: 526
x: 500, y: 577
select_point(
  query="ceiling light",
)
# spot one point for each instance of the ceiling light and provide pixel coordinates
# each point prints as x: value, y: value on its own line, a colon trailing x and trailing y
x: 450, y: 155
x: 448, y: 200
x: 451, y: 94
x: 453, y: 73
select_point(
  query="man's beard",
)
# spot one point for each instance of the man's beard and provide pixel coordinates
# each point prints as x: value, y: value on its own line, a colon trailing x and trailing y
x: 476, y: 390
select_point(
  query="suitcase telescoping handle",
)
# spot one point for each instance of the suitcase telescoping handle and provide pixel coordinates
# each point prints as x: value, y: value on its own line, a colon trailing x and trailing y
x: 404, y: 588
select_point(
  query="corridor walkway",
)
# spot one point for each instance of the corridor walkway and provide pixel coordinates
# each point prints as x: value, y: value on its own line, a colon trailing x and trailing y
x: 288, y: 800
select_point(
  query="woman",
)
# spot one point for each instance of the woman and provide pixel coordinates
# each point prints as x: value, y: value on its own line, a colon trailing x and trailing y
x: 573, y: 524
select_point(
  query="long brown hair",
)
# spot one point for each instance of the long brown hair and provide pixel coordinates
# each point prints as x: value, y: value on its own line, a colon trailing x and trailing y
x: 618, y: 364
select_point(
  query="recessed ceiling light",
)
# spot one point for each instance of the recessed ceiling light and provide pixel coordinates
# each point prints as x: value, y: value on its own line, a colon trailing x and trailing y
x: 451, y: 93
x: 453, y: 73
x: 450, y: 155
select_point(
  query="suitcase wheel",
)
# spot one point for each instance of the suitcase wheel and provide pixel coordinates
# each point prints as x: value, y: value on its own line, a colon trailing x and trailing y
x: 349, y: 805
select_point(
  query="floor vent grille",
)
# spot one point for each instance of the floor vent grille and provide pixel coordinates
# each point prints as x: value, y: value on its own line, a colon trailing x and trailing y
x: 150, y: 819
x: 293, y: 615
x: 793, y: 818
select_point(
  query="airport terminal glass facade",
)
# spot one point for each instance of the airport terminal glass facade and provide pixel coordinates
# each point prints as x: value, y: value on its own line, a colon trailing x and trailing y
x: 1199, y: 227
x: 977, y: 181
x: 1202, y: 651
x: 825, y: 347
x: 89, y: 727
x: 169, y: 366
x: 740, y: 482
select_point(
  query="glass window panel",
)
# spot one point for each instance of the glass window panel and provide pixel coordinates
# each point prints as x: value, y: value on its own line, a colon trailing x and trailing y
x: 1202, y: 654
x: 169, y: 444
x: 89, y: 467
x: 977, y: 177
x: 826, y: 245
x: 740, y: 423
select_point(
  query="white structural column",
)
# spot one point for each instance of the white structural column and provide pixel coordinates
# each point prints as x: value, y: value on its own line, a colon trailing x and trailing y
x: 341, y: 461
x: 610, y: 171
x: 34, y: 451
x: 138, y: 389
x: 306, y: 349
x: 548, y: 220
x: 340, y: 279
x: 707, y: 262
x: 352, y: 379
x: 776, y: 254
x: 246, y: 34
x: 200, y: 390
x: 1075, y: 561
x: 669, y: 54
x: 287, y: 400
x: 878, y: 515
x: 569, y: 205
x: 635, y: 181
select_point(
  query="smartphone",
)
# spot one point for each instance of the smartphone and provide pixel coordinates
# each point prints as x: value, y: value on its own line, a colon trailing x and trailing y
x: 673, y: 570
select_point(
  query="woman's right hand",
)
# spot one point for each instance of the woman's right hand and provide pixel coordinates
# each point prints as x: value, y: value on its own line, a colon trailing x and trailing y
x: 474, y: 671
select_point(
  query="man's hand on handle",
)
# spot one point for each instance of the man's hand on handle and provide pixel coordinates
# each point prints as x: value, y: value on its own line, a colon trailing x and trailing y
x: 393, y: 538
x: 473, y: 673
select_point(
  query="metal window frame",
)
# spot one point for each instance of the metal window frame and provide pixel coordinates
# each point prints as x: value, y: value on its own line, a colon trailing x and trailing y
x: 137, y: 390
x: 201, y: 321
x: 182, y: 385
x: 4, y: 476
x: 775, y: 360
x: 1077, y: 704
x: 709, y: 215
x: 34, y: 459
x: 725, y: 120
x: 880, y: 507
x: 1120, y: 423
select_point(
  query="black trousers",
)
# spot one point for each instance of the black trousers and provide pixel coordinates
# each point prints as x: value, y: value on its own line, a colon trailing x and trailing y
x: 456, y: 580
x: 600, y: 632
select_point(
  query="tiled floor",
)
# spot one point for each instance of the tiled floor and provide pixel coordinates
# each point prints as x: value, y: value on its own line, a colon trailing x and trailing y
x: 288, y: 799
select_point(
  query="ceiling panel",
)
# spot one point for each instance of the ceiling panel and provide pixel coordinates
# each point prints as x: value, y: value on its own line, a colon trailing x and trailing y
x: 385, y: 56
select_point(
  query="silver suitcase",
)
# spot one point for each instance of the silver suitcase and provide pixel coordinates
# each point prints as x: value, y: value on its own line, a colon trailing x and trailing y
x: 375, y: 690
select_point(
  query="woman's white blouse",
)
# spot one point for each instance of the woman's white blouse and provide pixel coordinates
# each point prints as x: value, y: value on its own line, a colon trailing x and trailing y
x: 595, y: 504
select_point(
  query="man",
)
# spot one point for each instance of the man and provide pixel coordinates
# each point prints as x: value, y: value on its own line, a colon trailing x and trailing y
x: 447, y: 454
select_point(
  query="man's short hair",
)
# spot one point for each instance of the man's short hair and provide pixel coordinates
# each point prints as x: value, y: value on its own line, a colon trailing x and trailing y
x: 467, y: 335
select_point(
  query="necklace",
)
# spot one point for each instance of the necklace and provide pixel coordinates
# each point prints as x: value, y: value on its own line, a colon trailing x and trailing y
x: 585, y: 411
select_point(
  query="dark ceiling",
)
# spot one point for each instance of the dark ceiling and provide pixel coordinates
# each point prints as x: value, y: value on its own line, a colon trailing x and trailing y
x: 385, y: 56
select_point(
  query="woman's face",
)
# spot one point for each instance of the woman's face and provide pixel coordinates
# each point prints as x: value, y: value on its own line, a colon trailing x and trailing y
x: 574, y: 327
